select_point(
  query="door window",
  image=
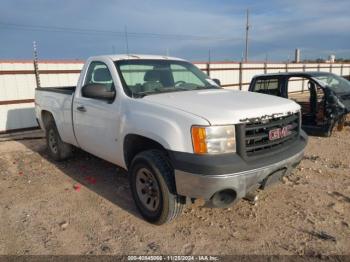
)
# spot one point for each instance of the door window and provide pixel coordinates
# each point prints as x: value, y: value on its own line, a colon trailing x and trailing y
x: 98, y: 73
x: 300, y: 89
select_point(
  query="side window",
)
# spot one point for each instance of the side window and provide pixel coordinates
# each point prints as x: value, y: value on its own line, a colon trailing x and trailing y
x: 300, y: 89
x: 268, y: 86
x: 296, y: 85
x: 98, y: 73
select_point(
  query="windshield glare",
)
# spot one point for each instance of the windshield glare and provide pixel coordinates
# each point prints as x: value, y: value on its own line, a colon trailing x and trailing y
x: 143, y: 77
x: 336, y: 83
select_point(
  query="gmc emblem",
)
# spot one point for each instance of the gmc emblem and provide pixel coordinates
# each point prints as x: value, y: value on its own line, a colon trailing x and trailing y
x: 280, y: 132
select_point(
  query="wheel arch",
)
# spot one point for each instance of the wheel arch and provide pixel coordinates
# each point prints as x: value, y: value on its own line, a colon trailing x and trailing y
x: 134, y: 144
x: 46, y: 116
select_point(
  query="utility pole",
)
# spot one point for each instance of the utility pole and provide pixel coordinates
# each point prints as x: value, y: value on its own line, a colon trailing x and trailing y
x: 246, y: 37
x: 36, y: 67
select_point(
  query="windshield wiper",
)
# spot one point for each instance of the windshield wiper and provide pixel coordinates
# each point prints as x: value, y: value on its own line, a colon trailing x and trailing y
x: 143, y: 94
x: 208, y: 87
x: 158, y: 91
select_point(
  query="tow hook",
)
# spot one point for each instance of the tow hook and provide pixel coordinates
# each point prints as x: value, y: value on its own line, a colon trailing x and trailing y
x: 252, y: 197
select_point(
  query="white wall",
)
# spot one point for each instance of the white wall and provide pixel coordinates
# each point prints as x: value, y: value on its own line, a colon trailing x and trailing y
x: 17, y: 82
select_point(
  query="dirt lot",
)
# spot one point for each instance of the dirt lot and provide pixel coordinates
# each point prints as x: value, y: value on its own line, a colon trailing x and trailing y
x: 84, y: 206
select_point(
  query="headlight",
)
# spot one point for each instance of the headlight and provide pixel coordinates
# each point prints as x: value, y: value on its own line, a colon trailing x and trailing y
x: 213, y: 139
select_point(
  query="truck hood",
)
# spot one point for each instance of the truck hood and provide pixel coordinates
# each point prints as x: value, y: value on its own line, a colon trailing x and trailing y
x: 222, y: 106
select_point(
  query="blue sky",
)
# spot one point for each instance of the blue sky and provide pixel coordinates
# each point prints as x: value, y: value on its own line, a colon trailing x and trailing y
x: 183, y: 28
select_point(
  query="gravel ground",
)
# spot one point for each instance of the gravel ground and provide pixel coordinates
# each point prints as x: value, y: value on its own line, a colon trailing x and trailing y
x: 84, y: 206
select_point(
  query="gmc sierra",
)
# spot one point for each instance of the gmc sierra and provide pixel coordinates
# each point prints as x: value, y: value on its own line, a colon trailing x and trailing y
x: 180, y: 136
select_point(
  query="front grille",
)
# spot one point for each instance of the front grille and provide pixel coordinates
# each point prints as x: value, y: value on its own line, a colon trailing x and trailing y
x: 256, y: 135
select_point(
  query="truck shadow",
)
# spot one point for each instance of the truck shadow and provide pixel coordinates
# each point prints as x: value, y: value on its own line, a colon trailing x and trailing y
x: 99, y: 176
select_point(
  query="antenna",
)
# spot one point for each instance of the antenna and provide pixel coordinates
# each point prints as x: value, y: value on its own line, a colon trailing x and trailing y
x: 246, y: 37
x: 113, y: 49
x: 126, y: 40
x: 209, y: 60
x: 167, y: 51
x: 35, y: 62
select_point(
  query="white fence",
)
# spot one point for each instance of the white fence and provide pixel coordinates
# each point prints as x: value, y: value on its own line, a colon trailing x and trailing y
x: 18, y: 83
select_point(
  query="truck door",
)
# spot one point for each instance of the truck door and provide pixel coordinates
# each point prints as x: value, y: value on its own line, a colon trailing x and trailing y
x: 96, y: 121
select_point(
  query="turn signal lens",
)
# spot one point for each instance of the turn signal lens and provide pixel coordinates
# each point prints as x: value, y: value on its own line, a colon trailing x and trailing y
x: 198, y: 140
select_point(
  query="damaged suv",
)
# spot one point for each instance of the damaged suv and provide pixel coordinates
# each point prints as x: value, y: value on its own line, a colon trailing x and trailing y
x: 324, y: 97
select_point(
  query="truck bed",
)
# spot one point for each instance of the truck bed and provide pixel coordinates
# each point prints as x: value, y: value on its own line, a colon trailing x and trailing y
x: 68, y: 90
x: 58, y: 101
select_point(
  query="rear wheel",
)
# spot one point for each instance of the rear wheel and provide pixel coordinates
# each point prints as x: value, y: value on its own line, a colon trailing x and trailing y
x: 153, y: 187
x: 58, y: 149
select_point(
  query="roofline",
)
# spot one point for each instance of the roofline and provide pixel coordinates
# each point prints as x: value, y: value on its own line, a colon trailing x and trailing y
x: 118, y: 57
x: 300, y: 73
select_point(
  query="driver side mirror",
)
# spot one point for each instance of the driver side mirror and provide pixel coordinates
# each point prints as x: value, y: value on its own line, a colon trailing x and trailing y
x: 217, y: 81
x: 98, y: 91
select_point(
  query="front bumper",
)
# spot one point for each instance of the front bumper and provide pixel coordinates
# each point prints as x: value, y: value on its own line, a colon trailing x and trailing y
x: 244, y: 177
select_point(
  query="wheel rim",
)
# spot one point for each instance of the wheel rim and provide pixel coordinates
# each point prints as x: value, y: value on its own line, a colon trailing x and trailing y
x: 147, y: 189
x: 53, y: 141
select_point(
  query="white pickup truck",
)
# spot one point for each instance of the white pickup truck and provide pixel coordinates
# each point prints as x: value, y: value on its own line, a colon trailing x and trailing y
x: 180, y: 136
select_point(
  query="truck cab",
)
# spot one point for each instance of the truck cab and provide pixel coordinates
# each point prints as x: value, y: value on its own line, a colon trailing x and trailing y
x: 324, y: 97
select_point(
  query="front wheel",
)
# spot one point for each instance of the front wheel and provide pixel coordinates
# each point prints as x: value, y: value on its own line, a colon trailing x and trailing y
x: 153, y: 187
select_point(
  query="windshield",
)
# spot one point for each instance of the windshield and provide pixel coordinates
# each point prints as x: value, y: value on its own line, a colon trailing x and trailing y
x: 144, y: 77
x: 336, y: 83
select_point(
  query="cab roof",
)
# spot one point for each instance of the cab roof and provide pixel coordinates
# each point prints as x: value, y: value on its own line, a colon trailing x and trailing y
x: 294, y: 74
x: 137, y: 56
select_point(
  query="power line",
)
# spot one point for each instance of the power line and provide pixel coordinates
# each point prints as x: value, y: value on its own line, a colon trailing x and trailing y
x: 120, y: 34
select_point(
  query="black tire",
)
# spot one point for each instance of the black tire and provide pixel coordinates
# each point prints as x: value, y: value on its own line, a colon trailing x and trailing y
x: 170, y: 205
x: 58, y: 149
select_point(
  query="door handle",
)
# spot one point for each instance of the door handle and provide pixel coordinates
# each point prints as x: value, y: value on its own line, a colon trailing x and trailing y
x: 81, y: 108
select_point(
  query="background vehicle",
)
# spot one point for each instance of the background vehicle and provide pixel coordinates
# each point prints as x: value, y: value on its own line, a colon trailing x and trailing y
x: 180, y: 135
x: 323, y: 97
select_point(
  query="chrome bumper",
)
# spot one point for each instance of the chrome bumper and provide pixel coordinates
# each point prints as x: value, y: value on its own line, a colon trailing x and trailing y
x: 205, y: 186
